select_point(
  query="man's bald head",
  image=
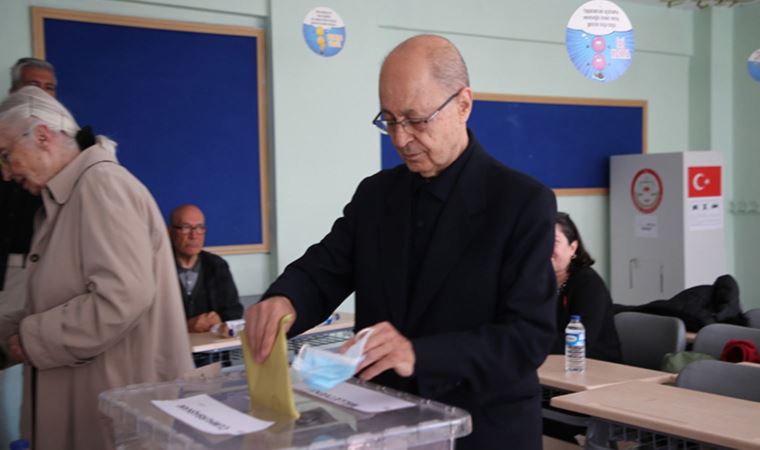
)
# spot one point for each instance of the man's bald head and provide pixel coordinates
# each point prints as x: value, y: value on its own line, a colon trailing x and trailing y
x: 181, y: 211
x: 425, y: 96
x: 187, y: 229
x: 435, y: 55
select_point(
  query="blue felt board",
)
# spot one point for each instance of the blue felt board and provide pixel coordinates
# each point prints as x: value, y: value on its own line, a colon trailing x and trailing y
x: 183, y: 107
x: 565, y: 146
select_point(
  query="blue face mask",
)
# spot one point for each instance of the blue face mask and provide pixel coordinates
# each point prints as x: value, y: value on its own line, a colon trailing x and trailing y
x: 322, y: 370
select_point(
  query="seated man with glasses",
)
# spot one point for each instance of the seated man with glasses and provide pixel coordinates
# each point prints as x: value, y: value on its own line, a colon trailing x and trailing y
x: 208, y: 290
x: 448, y: 255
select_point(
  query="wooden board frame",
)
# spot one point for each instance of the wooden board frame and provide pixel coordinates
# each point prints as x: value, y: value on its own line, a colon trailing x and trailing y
x: 40, y: 15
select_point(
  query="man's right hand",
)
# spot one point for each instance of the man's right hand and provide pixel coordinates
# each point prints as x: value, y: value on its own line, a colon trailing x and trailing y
x: 261, y: 321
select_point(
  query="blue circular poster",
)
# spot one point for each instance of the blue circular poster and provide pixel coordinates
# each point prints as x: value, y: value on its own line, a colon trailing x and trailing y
x: 753, y: 65
x: 600, y: 40
x: 324, y: 31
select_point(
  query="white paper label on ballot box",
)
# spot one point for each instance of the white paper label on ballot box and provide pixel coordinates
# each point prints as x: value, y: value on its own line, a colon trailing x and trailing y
x: 356, y: 397
x: 211, y: 416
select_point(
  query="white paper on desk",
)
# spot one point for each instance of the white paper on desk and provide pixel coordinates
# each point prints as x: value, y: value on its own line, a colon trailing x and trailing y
x: 357, y: 397
x: 211, y: 416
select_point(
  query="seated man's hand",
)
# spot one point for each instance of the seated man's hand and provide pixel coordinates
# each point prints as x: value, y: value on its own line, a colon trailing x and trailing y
x: 385, y: 349
x: 261, y: 321
x: 203, y: 322
x: 212, y: 318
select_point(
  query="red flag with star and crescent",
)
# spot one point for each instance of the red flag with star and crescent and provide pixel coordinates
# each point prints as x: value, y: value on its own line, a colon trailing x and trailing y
x: 704, y: 181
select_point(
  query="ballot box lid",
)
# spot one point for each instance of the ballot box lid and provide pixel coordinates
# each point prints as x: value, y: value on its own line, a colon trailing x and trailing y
x: 322, y: 424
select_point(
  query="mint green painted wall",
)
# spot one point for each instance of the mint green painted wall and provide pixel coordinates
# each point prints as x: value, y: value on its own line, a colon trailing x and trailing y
x: 699, y: 84
x: 322, y: 144
x: 518, y: 48
x: 690, y: 66
x: 252, y: 273
x: 746, y: 140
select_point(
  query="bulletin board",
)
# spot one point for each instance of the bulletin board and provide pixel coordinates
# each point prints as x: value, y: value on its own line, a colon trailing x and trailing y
x: 564, y: 142
x: 186, y: 104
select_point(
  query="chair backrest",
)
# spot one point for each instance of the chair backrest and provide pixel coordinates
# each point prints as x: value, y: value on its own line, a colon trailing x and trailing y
x: 723, y: 378
x: 712, y: 338
x: 646, y: 338
x: 753, y: 317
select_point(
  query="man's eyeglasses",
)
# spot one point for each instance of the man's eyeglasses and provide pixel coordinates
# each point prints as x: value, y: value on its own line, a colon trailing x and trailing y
x: 416, y: 123
x: 186, y: 228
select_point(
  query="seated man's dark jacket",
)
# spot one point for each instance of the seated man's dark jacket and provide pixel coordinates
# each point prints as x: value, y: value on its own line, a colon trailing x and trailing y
x: 214, y: 291
x: 482, y: 317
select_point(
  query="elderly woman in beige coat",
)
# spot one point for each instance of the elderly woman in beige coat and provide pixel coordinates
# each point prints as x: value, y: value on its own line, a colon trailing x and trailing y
x: 104, y: 308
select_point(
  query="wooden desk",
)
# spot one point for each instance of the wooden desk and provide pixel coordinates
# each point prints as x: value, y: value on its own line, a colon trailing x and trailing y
x: 210, y: 342
x: 598, y: 374
x: 689, y: 414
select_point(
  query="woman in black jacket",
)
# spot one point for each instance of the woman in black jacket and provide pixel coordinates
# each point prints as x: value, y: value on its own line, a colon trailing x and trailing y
x: 582, y: 291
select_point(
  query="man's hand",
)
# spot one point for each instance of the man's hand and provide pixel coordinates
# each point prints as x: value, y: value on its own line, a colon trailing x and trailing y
x: 261, y: 321
x: 16, y: 351
x: 203, y: 322
x: 385, y: 349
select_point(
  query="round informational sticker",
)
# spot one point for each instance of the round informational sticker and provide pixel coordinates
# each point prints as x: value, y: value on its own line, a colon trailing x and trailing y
x: 600, y: 40
x: 646, y: 191
x: 324, y: 31
x: 753, y: 65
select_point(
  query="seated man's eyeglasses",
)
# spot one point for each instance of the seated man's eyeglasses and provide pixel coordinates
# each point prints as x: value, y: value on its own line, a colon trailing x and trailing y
x: 187, y: 228
x: 416, y: 123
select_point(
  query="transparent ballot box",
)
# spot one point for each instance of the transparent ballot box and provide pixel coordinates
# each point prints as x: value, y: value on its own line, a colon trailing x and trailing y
x: 421, y: 425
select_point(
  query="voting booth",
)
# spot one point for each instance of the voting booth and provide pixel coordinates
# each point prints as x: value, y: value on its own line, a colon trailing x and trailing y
x: 667, y: 228
x: 356, y: 415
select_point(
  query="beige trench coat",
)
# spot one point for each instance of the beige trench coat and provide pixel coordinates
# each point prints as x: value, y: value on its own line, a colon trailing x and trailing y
x: 103, y: 300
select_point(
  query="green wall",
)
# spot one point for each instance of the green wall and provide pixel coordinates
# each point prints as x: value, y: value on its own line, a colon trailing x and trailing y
x: 689, y: 65
x: 746, y: 141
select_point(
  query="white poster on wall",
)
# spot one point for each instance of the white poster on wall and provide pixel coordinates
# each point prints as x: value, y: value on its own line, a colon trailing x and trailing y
x: 646, y: 226
x: 753, y: 65
x: 600, y: 40
x: 324, y: 31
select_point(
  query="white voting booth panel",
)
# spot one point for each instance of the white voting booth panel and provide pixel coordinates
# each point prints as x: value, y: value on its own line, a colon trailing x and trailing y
x: 666, y: 224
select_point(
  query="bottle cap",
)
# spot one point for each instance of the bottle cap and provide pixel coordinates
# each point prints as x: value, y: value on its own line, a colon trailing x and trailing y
x: 19, y: 444
x: 575, y: 317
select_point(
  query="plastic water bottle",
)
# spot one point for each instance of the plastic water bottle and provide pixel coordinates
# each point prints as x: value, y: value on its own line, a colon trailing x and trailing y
x: 575, y: 345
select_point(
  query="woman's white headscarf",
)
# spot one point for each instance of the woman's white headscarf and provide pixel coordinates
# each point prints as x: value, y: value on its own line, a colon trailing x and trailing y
x: 32, y: 102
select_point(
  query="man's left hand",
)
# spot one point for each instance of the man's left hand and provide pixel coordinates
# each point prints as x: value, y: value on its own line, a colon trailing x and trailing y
x: 385, y: 349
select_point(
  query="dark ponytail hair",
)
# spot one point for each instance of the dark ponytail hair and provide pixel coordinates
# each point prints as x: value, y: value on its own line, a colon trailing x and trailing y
x: 582, y: 258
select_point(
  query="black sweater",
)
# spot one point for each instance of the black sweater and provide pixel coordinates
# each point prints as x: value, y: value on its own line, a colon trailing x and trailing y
x: 214, y: 291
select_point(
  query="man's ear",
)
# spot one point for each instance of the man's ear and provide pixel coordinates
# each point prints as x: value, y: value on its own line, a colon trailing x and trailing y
x: 464, y: 104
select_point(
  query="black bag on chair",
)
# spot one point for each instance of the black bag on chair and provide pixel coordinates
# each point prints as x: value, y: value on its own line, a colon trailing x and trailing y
x: 699, y: 305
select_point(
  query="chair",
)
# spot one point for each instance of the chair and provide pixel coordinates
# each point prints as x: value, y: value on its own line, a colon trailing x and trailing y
x: 646, y: 338
x: 753, y: 318
x: 712, y: 338
x: 722, y: 378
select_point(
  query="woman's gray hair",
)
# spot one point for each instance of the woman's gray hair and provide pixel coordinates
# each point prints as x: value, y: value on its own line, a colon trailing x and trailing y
x: 31, y: 102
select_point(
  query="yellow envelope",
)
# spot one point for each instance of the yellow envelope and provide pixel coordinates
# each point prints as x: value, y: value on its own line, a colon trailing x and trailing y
x: 269, y: 382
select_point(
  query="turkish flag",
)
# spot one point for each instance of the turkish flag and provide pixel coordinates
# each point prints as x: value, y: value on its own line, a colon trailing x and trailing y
x: 704, y: 181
